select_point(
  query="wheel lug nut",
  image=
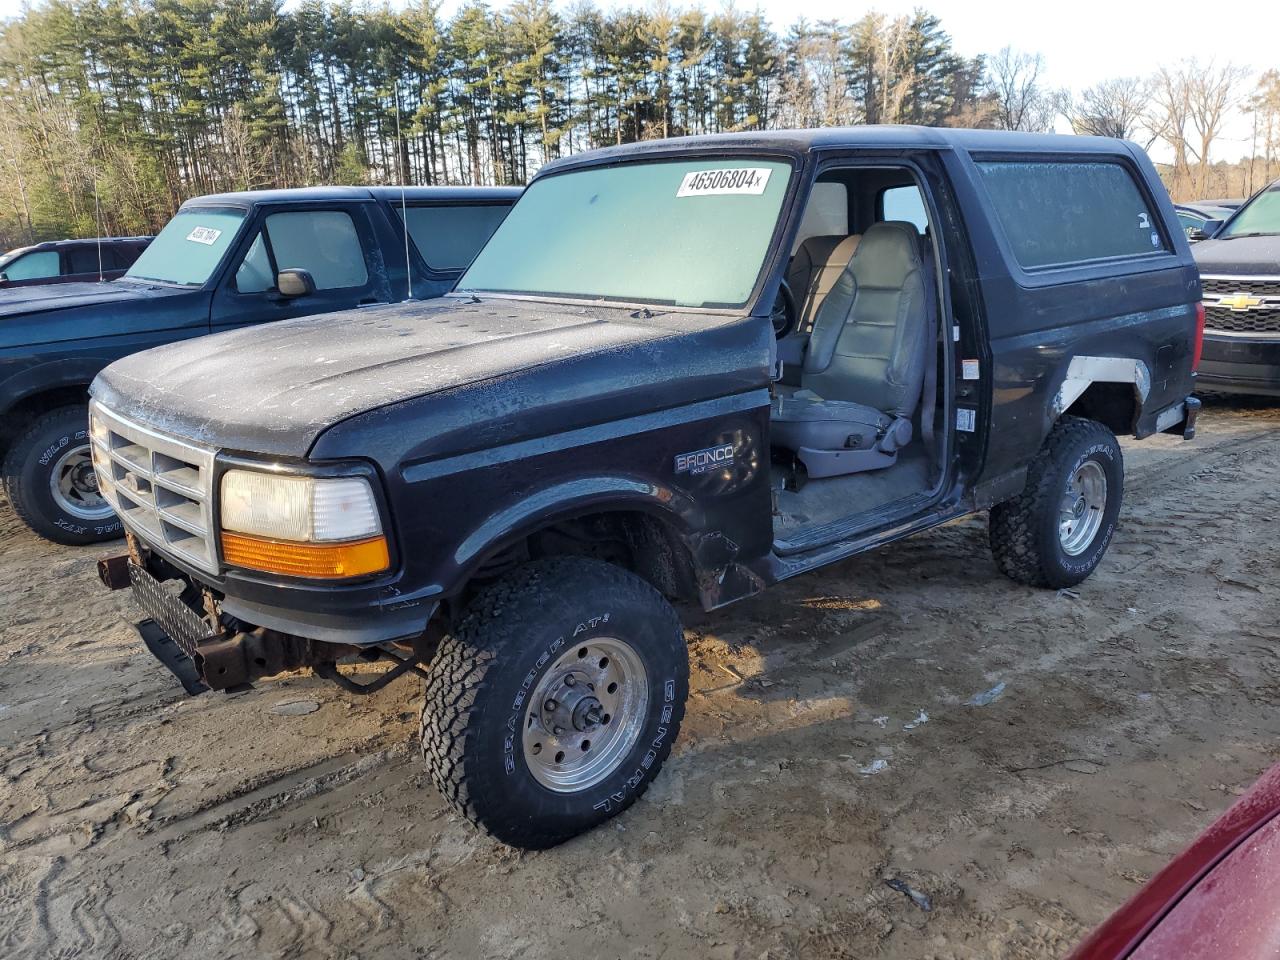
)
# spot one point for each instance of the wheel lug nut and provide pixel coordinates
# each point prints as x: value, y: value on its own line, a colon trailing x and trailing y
x: 558, y: 730
x: 550, y: 705
x: 570, y: 680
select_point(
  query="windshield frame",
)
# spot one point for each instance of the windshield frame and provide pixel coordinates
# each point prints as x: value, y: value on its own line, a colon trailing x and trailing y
x: 795, y: 159
x: 219, y: 268
x: 1223, y: 231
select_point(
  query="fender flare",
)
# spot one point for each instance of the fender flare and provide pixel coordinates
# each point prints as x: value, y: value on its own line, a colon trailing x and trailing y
x: 572, y: 498
x: 50, y: 375
x: 1084, y: 371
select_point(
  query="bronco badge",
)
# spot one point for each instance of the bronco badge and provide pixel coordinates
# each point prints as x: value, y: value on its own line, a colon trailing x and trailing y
x: 709, y: 458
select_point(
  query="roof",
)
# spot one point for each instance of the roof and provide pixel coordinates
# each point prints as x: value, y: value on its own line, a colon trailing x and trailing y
x: 889, y: 135
x: 390, y: 194
x: 46, y: 244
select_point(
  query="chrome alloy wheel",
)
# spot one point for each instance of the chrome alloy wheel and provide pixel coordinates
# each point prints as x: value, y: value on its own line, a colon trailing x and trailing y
x: 74, y: 486
x: 1083, y: 505
x: 585, y: 714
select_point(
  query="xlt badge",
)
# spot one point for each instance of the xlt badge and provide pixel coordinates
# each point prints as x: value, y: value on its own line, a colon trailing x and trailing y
x: 709, y: 458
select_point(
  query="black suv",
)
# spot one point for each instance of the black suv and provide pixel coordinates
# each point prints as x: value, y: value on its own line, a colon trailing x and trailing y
x: 679, y: 371
x: 1240, y: 271
x: 224, y: 261
x: 70, y: 261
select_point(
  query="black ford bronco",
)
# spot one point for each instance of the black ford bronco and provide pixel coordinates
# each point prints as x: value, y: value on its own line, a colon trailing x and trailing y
x: 679, y: 371
x: 223, y: 261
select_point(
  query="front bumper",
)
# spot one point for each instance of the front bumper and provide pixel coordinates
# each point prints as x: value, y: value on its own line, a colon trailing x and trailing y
x: 188, y: 629
x: 1232, y: 364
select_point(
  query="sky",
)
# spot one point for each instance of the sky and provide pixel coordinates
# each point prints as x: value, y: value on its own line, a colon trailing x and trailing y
x: 1082, y: 41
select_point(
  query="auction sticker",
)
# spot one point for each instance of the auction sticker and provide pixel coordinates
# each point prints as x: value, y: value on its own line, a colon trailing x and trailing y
x: 206, y: 235
x: 719, y: 183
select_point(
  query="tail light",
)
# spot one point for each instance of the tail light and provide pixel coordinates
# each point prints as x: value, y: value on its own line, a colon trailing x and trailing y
x: 1199, y: 346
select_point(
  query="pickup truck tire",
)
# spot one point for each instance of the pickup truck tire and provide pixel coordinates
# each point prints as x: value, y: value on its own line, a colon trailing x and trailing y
x: 48, y: 477
x: 1055, y: 532
x: 528, y: 655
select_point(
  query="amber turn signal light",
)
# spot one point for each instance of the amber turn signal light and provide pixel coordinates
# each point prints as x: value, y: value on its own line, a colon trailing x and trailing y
x: 355, y: 558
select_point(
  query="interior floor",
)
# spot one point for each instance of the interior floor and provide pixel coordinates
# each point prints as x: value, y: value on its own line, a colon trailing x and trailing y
x: 820, y: 502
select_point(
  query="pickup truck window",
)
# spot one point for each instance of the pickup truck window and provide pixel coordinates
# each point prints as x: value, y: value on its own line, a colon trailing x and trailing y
x: 1260, y: 217
x: 1063, y: 212
x: 904, y: 203
x: 85, y: 260
x: 322, y: 242
x: 190, y: 247
x: 686, y: 232
x: 449, y: 237
x: 33, y: 266
x: 826, y: 214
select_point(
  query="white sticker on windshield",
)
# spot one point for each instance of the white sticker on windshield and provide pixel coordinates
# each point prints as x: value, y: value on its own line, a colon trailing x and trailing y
x: 206, y: 235
x: 719, y: 183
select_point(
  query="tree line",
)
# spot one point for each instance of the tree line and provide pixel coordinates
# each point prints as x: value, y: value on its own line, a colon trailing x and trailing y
x: 114, y: 111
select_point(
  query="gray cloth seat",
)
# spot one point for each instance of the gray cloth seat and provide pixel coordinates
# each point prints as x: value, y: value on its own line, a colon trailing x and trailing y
x: 864, y: 366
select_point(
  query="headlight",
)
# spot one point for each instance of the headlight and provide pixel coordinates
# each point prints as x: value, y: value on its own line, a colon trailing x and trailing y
x: 301, y: 526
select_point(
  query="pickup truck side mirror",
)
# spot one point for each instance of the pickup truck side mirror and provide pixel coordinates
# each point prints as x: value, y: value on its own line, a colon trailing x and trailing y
x: 1204, y: 231
x: 295, y: 283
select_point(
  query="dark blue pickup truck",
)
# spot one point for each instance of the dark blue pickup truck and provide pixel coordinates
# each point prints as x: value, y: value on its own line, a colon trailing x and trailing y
x: 223, y: 261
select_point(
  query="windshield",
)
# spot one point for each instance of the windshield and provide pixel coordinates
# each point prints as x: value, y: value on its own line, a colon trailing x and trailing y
x: 1260, y: 217
x: 11, y: 256
x: 190, y: 247
x: 687, y: 233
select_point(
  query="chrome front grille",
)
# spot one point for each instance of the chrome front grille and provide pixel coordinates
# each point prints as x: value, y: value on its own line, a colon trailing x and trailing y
x: 160, y: 486
x: 1242, y: 305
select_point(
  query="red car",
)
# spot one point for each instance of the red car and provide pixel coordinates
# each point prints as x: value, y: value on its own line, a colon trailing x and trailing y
x: 1217, y: 900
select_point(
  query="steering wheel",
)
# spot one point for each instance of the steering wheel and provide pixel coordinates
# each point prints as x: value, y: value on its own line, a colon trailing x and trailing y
x: 784, y: 314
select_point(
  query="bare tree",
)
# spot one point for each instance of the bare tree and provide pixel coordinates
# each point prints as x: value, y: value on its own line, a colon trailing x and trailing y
x: 1212, y: 94
x: 1022, y: 102
x: 1113, y: 108
x: 1265, y: 107
x: 1168, y: 110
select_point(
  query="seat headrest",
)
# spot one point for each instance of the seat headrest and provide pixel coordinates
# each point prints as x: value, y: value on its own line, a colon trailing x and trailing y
x: 888, y: 254
x: 826, y: 249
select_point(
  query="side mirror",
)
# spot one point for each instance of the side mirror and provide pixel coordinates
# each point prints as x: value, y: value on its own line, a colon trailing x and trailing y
x: 295, y: 283
x: 1206, y: 230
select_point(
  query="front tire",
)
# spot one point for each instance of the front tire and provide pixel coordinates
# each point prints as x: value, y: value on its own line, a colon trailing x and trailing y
x: 49, y: 479
x: 555, y: 702
x: 1054, y: 533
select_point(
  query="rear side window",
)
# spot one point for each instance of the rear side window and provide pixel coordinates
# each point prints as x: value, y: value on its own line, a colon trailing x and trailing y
x: 449, y: 237
x: 34, y: 266
x: 1065, y: 212
x: 85, y: 260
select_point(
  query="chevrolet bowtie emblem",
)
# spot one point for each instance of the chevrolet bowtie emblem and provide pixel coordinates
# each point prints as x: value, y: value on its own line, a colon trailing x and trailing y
x: 1239, y: 302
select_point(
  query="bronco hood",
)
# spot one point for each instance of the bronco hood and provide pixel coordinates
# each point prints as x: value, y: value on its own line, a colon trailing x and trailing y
x: 274, y: 389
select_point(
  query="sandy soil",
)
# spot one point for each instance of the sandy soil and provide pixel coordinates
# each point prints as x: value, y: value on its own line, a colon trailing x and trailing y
x: 833, y: 741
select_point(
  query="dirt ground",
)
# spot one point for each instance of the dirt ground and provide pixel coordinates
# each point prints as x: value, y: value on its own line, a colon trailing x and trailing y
x: 1024, y: 759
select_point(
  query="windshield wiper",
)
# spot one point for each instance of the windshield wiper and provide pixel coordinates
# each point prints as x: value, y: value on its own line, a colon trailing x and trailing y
x: 1255, y: 233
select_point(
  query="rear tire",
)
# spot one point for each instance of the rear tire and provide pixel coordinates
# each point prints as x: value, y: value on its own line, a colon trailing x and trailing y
x: 519, y: 664
x: 1055, y: 532
x: 48, y: 477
